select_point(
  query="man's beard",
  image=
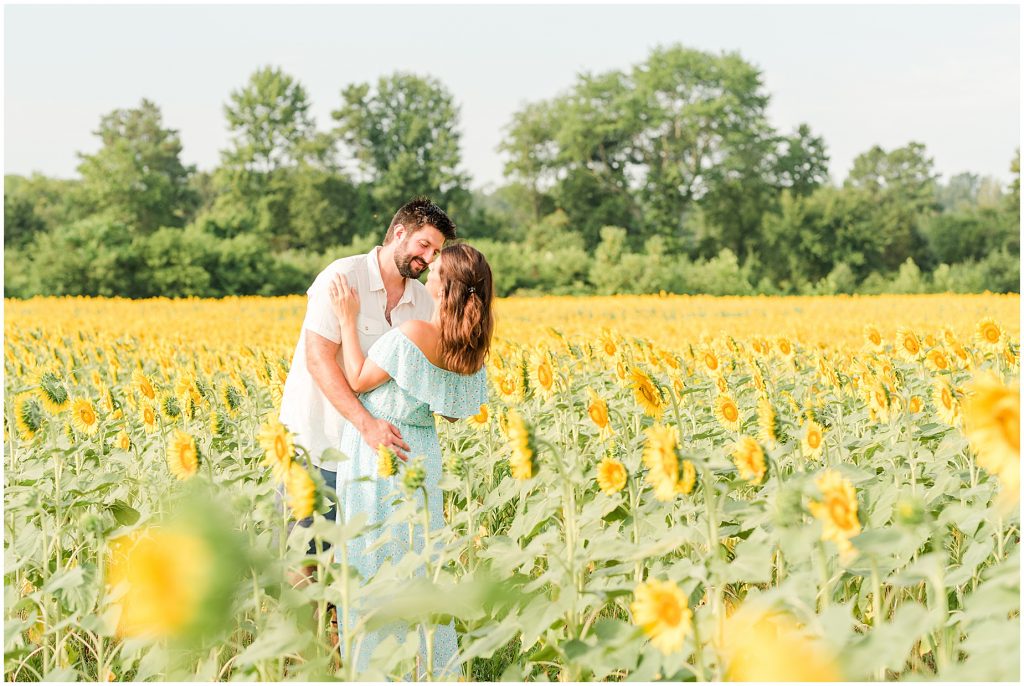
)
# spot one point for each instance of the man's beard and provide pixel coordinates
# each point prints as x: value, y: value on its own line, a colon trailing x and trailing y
x: 409, y: 266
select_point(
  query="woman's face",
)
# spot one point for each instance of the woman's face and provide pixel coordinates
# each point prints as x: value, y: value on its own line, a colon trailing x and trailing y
x: 434, y: 280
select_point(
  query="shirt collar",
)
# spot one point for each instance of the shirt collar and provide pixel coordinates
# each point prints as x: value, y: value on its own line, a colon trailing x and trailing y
x: 373, y: 270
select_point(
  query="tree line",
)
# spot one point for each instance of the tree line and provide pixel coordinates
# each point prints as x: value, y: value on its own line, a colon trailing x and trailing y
x: 667, y: 176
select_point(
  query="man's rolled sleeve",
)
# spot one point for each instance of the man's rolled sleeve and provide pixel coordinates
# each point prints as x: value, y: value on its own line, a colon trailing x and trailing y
x: 320, y: 318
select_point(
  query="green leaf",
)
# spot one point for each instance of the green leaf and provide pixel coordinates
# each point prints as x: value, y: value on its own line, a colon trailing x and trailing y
x: 889, y: 644
x: 280, y: 638
x: 70, y: 578
x: 753, y: 561
x: 125, y: 514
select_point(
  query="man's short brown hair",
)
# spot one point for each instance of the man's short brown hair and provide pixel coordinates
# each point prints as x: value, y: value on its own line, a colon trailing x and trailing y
x: 416, y: 214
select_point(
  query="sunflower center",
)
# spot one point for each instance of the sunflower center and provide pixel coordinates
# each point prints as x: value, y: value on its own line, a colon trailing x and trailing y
x: 669, y: 611
x: 730, y: 412
x: 1008, y: 422
x: 814, y: 439
x: 947, y: 399
x: 840, y: 512
x: 280, y: 447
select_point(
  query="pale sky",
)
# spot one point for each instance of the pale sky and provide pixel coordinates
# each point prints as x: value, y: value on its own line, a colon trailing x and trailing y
x: 947, y: 76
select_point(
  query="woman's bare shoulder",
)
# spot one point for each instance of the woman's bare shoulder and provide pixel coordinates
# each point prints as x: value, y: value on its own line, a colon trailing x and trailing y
x: 424, y: 336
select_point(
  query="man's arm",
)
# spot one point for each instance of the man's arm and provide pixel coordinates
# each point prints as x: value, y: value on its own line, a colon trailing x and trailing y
x: 323, y: 367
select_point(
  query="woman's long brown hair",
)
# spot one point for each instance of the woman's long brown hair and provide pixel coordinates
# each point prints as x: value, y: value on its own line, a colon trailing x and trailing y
x: 466, y: 318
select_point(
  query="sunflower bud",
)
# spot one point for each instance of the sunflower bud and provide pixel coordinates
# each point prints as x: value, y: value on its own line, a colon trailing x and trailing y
x: 414, y: 475
x: 455, y: 464
x: 908, y: 511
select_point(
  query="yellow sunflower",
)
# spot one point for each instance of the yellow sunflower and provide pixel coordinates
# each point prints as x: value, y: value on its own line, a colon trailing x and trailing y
x: 83, y: 417
x: 597, y: 410
x: 301, y: 491
x: 946, y: 406
x: 936, y: 360
x: 231, y: 396
x: 387, y: 462
x: 123, y: 440
x: 837, y: 510
x: 524, y: 455
x: 611, y: 475
x: 647, y: 394
x: 53, y: 393
x: 785, y: 347
x: 543, y: 375
x: 163, y: 576
x: 908, y: 345
x: 608, y: 343
x: 748, y: 457
x: 621, y: 369
x: 142, y: 385
x: 661, y: 457
x: 28, y: 417
x: 873, y: 338
x: 878, y: 402
x: 991, y: 414
x: 148, y: 416
x: 183, y: 456
x: 482, y: 418
x: 660, y: 609
x: 767, y: 422
x: 278, y: 447
x: 813, y: 441
x: 727, y: 412
x: 687, y: 478
x: 989, y: 335
x: 767, y: 646
x: 710, y: 360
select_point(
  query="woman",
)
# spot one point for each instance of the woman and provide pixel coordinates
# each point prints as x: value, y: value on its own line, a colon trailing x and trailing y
x: 412, y: 372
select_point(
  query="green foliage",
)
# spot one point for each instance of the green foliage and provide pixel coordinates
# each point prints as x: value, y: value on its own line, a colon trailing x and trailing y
x: 137, y: 177
x: 91, y: 257
x: 676, y: 152
x: 404, y: 135
x: 269, y: 120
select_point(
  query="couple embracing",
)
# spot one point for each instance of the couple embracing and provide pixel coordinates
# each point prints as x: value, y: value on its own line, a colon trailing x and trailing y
x: 378, y: 356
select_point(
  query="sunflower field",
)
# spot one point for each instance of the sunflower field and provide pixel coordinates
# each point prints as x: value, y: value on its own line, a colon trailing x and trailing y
x: 659, y: 488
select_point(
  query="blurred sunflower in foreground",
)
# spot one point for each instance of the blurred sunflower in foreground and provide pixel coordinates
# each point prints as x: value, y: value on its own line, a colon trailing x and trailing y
x: 660, y: 609
x: 991, y: 415
x: 762, y: 645
x: 158, y: 578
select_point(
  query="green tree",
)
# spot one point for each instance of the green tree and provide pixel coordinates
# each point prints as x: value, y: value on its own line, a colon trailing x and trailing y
x: 531, y: 150
x: 901, y: 184
x: 704, y: 120
x: 270, y: 124
x: 404, y: 135
x: 137, y: 176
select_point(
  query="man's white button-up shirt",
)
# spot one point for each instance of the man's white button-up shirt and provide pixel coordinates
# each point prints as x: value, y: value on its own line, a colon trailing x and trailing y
x: 304, y: 409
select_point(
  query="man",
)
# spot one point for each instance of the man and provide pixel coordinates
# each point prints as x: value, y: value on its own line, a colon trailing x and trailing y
x: 317, y: 400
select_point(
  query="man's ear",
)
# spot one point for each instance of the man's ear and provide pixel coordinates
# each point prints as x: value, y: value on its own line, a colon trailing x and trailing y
x: 399, y: 233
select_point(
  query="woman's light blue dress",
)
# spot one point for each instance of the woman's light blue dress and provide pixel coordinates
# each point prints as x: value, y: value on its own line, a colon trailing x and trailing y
x: 417, y: 389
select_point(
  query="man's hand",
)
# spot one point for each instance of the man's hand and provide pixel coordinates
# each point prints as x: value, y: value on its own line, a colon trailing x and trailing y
x: 377, y: 432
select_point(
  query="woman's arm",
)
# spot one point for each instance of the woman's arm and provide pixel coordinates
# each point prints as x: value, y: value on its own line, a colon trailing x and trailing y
x: 362, y: 374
